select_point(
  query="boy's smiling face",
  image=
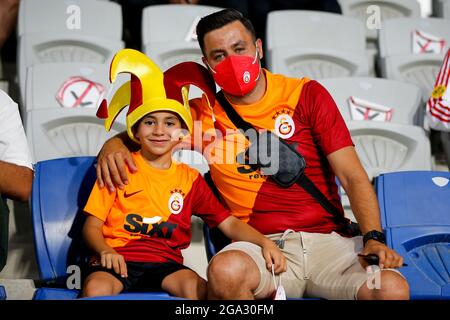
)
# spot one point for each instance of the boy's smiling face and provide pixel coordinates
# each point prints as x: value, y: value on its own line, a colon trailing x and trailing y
x: 158, y: 132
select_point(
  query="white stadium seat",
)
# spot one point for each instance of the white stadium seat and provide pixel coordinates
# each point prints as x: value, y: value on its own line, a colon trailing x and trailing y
x: 60, y: 16
x: 367, y: 10
x: 405, y: 99
x: 389, y: 9
x: 168, y: 33
x: 55, y: 131
x: 47, y: 33
x: 42, y: 90
x: 397, y: 59
x: 315, y: 44
x: 389, y: 147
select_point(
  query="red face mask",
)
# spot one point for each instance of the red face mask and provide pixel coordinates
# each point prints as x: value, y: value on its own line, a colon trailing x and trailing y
x: 237, y: 75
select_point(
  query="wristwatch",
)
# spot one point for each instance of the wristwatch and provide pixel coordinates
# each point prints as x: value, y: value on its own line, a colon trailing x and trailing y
x: 374, y: 235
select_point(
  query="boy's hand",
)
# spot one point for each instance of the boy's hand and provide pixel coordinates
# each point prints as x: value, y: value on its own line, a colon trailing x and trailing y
x: 274, y: 256
x: 111, y: 259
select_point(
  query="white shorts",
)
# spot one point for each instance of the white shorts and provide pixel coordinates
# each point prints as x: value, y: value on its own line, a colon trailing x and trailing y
x: 318, y: 265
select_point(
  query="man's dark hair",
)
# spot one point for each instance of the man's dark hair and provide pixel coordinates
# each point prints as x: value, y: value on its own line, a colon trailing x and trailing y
x: 219, y: 19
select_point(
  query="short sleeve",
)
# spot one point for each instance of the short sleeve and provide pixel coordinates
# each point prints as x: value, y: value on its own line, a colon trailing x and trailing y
x: 100, y: 202
x: 328, y: 127
x: 13, y: 142
x: 206, y: 205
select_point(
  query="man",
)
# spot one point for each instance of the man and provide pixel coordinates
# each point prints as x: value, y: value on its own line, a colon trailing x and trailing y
x: 16, y: 171
x: 321, y: 261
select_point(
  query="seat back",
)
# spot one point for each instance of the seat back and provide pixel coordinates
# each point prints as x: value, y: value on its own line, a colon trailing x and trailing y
x: 42, y: 91
x: 39, y: 48
x: 416, y: 69
x: 178, y: 42
x: 299, y: 44
x: 396, y: 34
x: 303, y: 28
x: 67, y: 31
x: 415, y: 216
x: 388, y: 147
x: 404, y: 99
x: 54, y: 131
x: 397, y: 59
x: 389, y: 9
x: 317, y: 63
x: 75, y: 17
x: 61, y: 188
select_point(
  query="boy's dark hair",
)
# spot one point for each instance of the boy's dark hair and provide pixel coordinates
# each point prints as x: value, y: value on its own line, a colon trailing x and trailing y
x: 219, y: 19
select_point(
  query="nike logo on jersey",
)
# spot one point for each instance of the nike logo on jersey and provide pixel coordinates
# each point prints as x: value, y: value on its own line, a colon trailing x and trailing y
x: 126, y: 195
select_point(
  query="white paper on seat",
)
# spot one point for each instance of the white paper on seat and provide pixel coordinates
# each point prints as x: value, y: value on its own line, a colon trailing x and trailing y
x: 79, y: 92
x: 365, y: 110
x: 427, y: 43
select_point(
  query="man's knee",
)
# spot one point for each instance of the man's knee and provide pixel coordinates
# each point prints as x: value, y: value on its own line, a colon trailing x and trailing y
x: 230, y: 266
x: 392, y: 287
x: 232, y: 274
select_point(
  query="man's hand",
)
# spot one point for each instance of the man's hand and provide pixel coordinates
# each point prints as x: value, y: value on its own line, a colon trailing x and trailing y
x: 274, y: 256
x: 111, y: 259
x: 111, y: 162
x: 388, y: 257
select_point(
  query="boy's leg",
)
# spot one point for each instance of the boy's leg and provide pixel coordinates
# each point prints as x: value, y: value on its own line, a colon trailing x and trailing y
x: 185, y: 284
x: 101, y: 283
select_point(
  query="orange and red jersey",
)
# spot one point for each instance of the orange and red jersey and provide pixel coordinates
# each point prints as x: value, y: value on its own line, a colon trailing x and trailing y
x: 150, y: 220
x: 301, y: 112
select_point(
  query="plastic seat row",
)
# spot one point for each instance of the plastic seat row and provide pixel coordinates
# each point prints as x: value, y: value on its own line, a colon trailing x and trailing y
x: 414, y: 212
x: 63, y: 63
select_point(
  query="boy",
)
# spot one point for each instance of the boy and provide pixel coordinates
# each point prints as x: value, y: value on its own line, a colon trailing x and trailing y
x: 138, y: 232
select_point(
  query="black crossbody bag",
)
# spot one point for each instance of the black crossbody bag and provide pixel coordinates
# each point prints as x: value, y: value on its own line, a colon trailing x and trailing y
x: 290, y: 168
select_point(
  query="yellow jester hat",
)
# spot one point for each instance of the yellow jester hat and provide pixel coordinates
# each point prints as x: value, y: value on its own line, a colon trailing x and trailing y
x: 144, y: 93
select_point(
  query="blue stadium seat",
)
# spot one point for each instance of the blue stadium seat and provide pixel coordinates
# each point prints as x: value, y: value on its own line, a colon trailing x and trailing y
x: 415, y: 214
x: 215, y: 240
x: 60, y: 190
x: 2, y: 293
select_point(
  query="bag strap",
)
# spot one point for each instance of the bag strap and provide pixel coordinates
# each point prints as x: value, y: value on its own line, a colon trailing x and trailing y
x: 232, y: 114
x: 303, y: 181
